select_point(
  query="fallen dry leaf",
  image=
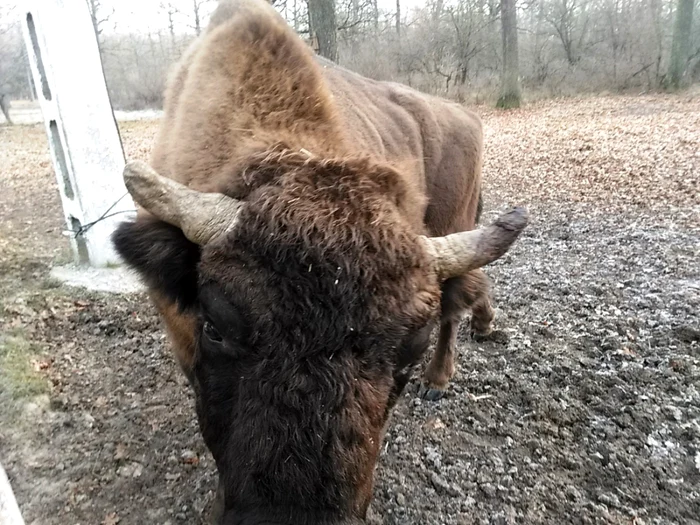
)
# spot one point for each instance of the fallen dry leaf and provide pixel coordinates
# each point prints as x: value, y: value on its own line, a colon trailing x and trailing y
x: 111, y: 519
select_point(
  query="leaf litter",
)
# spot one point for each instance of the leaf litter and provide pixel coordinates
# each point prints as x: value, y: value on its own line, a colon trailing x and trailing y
x: 584, y: 409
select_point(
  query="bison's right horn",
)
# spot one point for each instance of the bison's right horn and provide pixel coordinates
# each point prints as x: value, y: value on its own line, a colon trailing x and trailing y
x: 201, y: 216
x: 458, y: 253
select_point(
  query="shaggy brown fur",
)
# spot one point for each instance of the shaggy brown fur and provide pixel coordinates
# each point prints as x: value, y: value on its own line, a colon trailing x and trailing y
x: 330, y: 282
x: 251, y: 84
x: 301, y: 327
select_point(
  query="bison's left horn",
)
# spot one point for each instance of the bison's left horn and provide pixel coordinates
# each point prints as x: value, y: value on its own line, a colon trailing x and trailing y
x: 200, y: 216
x: 458, y: 253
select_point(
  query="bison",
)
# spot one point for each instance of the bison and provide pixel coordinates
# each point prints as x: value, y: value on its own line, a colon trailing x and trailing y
x: 303, y: 230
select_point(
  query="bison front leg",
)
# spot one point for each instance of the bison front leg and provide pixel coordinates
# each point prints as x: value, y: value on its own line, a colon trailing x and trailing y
x: 458, y: 295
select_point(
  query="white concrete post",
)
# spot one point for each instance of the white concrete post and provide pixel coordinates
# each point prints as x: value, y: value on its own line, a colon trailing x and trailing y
x: 83, y: 137
x: 9, y: 511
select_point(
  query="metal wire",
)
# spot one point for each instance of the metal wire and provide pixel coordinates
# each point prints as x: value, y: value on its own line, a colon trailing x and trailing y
x: 106, y: 215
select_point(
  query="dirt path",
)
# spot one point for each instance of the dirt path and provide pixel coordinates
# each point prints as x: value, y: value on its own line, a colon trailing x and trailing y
x: 586, y: 411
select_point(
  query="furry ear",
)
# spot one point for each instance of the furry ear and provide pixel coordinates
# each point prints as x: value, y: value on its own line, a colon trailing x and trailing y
x: 165, y: 259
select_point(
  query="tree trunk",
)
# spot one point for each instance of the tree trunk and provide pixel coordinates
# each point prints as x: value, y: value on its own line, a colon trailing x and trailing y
x: 171, y: 26
x: 541, y: 67
x: 295, y: 16
x: 398, y: 17
x: 94, y: 6
x: 510, y: 83
x: 5, y: 107
x: 681, y: 43
x: 30, y: 81
x: 197, y: 21
x: 322, y: 25
x: 438, y: 10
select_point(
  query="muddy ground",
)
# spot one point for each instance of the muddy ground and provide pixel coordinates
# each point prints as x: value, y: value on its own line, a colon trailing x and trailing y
x: 584, y: 410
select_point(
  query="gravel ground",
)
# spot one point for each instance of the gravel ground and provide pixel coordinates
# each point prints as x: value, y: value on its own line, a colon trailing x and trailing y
x: 585, y: 409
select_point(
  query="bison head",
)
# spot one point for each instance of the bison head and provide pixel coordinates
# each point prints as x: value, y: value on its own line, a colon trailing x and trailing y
x: 303, y: 310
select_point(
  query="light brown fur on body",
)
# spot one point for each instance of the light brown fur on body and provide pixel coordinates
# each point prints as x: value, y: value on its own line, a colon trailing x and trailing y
x: 250, y: 85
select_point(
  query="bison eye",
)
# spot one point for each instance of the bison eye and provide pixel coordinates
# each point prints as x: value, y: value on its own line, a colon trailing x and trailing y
x: 211, y: 333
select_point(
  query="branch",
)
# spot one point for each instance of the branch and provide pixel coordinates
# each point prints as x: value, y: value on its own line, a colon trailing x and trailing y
x: 350, y: 26
x: 695, y: 54
x: 641, y: 70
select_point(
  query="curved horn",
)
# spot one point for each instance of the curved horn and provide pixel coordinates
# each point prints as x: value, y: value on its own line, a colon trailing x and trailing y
x: 458, y: 253
x: 201, y: 216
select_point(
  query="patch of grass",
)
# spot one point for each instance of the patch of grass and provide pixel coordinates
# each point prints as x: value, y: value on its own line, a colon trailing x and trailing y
x: 509, y: 101
x: 49, y: 283
x: 18, y: 379
x: 65, y: 256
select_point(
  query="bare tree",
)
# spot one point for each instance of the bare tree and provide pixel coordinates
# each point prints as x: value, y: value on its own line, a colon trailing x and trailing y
x: 614, y: 34
x: 449, y: 48
x: 99, y: 15
x: 5, y: 107
x: 398, y: 17
x: 295, y: 15
x: 196, y: 11
x: 570, y: 21
x: 510, y: 82
x: 323, y: 27
x: 196, y: 15
x: 540, y: 54
x: 14, y: 64
x: 170, y: 11
x: 681, y: 42
x: 437, y: 11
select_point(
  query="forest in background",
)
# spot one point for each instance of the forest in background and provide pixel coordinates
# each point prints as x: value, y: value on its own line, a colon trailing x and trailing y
x: 453, y: 48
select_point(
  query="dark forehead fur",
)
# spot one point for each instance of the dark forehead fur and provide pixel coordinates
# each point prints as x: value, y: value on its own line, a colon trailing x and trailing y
x: 339, y: 218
